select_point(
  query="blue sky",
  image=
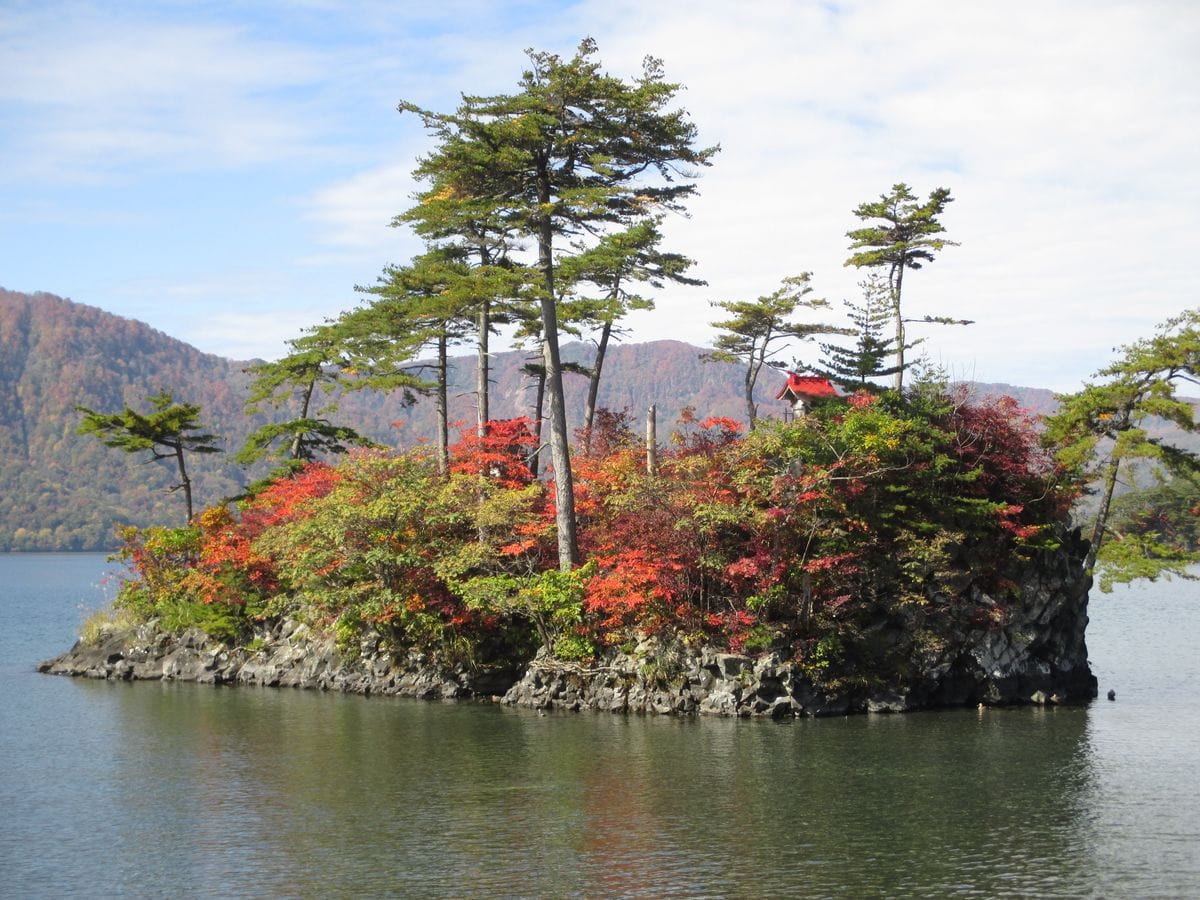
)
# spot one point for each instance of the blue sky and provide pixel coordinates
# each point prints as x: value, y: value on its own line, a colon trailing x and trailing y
x: 226, y: 171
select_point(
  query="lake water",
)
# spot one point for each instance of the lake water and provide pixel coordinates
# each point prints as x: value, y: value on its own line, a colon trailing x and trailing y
x: 156, y: 789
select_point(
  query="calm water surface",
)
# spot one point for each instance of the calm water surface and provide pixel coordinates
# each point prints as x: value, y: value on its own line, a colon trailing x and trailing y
x: 159, y: 789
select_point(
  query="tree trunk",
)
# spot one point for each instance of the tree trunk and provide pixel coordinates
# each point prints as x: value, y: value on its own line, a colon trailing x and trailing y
x: 652, y: 440
x: 589, y: 410
x: 184, y: 481
x: 897, y: 283
x: 297, y: 444
x: 481, y: 376
x: 752, y: 370
x: 1110, y: 486
x: 560, y: 455
x: 443, y: 425
x: 538, y: 400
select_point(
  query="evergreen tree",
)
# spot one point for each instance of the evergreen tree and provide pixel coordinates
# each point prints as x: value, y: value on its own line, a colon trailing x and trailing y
x: 854, y: 367
x: 311, y: 366
x: 613, y: 266
x: 450, y: 217
x: 1101, y: 432
x: 906, y: 236
x: 429, y: 304
x: 169, y: 431
x: 756, y: 330
x: 574, y: 151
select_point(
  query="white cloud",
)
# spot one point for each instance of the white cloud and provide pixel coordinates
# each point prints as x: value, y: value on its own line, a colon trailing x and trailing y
x: 1068, y: 132
x: 250, y: 335
x: 104, y: 91
x: 354, y: 214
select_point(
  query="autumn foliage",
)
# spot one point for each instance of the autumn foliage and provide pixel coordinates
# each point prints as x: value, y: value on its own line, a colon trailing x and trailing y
x: 800, y: 537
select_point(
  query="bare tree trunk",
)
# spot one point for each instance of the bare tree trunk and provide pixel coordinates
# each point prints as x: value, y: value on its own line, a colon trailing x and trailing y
x: 589, y: 410
x: 184, y: 481
x: 539, y: 400
x: 560, y: 452
x: 443, y: 425
x: 295, y: 449
x: 560, y: 455
x: 481, y: 375
x: 1110, y: 486
x: 897, y: 284
x: 754, y: 365
x: 652, y: 440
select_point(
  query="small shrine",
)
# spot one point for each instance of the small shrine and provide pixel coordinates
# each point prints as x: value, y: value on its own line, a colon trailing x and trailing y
x: 801, y: 391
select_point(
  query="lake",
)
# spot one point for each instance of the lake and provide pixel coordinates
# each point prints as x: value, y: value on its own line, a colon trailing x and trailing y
x: 154, y: 789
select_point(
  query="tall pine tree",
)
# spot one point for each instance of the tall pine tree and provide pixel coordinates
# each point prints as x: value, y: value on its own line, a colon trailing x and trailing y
x: 575, y: 151
x: 1103, y: 430
x: 854, y: 367
x: 757, y: 330
x: 614, y: 267
x: 904, y: 234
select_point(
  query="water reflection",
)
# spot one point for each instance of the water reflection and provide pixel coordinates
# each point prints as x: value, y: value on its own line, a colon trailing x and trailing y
x: 150, y: 789
x: 280, y: 791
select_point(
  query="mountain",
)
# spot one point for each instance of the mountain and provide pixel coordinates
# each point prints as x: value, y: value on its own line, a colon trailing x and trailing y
x: 60, y: 490
x: 1039, y: 401
x: 64, y: 491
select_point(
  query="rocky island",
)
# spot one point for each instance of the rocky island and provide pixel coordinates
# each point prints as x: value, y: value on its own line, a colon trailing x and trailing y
x: 1039, y: 657
x: 879, y: 554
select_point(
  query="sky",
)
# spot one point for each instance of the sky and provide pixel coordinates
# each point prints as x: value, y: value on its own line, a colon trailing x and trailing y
x: 227, y: 171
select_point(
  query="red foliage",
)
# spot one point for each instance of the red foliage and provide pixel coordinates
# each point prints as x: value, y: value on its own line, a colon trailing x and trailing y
x: 284, y: 500
x: 1000, y: 440
x: 706, y: 435
x: 610, y: 432
x: 501, y: 454
x: 634, y: 586
x: 226, y: 552
x: 862, y: 399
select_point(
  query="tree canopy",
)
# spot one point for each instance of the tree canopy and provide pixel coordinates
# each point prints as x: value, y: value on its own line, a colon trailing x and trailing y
x: 313, y: 364
x: 904, y: 234
x: 574, y: 152
x: 757, y: 330
x: 168, y: 431
x: 854, y: 367
x: 1103, y: 430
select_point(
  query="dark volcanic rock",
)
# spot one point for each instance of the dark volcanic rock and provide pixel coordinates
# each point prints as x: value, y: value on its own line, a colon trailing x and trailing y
x: 288, y: 655
x: 1034, y: 652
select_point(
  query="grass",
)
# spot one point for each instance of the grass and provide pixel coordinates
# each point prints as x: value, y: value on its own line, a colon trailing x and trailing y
x: 102, y: 622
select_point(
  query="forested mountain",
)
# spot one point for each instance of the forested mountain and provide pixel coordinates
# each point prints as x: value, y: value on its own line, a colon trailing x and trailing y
x: 64, y: 491
x: 60, y: 490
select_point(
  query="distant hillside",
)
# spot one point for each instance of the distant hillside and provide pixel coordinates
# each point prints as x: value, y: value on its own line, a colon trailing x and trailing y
x: 63, y: 491
x: 667, y: 373
x: 1037, y: 400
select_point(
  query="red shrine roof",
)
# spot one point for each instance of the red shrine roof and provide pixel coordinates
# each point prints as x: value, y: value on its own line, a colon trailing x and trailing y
x: 807, y: 386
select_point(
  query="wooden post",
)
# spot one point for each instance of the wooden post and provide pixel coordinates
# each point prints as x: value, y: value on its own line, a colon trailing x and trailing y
x: 651, y: 441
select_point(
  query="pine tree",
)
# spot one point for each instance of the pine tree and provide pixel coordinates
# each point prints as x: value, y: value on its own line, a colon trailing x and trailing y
x: 310, y: 367
x: 854, y: 367
x: 1102, y: 430
x: 428, y: 304
x: 756, y: 329
x: 475, y: 229
x: 613, y: 266
x: 575, y: 151
x: 169, y: 431
x: 905, y: 237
